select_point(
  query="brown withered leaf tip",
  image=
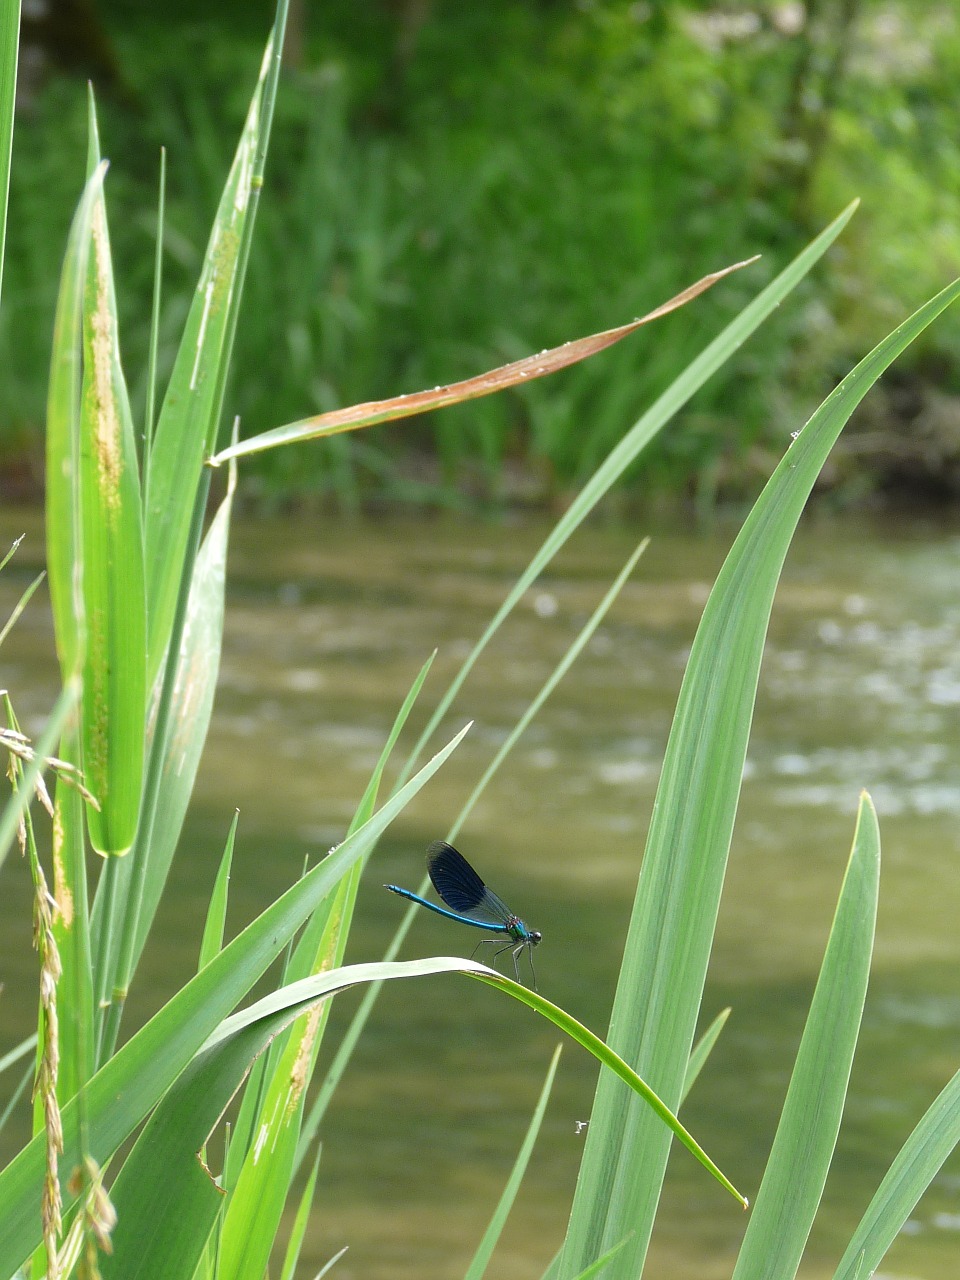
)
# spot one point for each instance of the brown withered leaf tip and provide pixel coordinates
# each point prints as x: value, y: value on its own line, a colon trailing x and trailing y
x: 508, y: 375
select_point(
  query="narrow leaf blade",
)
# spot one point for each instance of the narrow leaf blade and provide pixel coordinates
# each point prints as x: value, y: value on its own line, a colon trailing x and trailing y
x: 64, y: 535
x: 189, y: 417
x: 259, y: 1192
x: 212, y: 941
x: 803, y: 1147
x: 481, y: 1258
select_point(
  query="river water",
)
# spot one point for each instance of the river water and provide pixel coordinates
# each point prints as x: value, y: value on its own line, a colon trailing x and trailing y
x: 327, y: 626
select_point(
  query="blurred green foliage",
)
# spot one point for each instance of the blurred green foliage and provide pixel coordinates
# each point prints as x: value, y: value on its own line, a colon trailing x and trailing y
x: 452, y: 186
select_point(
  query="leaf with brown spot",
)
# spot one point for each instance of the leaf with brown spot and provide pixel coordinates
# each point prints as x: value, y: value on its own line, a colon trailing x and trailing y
x: 111, y: 563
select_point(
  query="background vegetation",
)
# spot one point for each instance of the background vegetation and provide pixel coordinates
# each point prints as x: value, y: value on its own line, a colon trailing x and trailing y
x: 137, y: 595
x: 465, y: 184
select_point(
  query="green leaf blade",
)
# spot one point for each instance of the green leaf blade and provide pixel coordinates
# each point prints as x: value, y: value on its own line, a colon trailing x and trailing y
x: 807, y: 1133
x: 188, y: 422
x: 212, y: 941
x: 481, y: 1258
x: 194, y: 688
x: 114, y: 672
x: 702, y: 1050
x: 259, y: 1191
x: 64, y: 535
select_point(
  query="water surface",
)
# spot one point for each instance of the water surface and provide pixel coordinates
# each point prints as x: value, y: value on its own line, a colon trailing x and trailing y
x: 326, y: 628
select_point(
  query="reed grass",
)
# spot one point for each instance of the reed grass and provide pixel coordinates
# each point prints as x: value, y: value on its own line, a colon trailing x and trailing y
x: 138, y: 596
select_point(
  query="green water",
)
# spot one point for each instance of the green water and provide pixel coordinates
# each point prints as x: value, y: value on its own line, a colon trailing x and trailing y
x: 860, y: 688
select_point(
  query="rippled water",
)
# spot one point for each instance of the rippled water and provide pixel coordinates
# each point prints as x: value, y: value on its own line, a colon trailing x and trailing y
x: 860, y: 688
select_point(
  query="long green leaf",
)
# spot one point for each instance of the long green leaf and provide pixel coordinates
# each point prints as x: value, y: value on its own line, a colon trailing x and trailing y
x: 678, y: 894
x: 803, y: 1147
x: 64, y: 534
x: 481, y: 1259
x: 129, y: 892
x: 65, y: 567
x: 698, y: 1058
x: 198, y: 668
x: 916, y: 1165
x: 170, y: 1216
x: 292, y: 1255
x: 608, y: 1057
x: 123, y: 1091
x: 189, y: 417
x: 114, y: 672
x: 563, y: 666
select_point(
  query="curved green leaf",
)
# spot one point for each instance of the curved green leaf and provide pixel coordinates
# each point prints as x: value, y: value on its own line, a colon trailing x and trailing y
x: 171, y: 1216
x: 166, y: 1201
x: 608, y: 1057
